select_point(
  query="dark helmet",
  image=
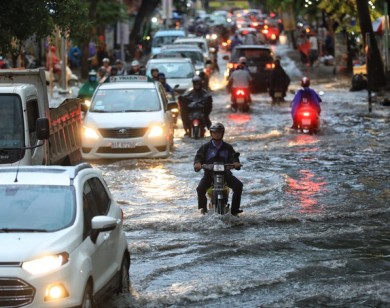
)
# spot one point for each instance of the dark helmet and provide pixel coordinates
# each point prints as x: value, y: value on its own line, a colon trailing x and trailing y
x: 196, y: 80
x: 305, y: 82
x: 217, y: 127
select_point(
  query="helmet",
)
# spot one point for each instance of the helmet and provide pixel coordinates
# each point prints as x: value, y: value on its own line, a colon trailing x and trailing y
x: 242, y: 60
x: 135, y: 63
x: 305, y: 82
x: 196, y: 80
x: 217, y: 127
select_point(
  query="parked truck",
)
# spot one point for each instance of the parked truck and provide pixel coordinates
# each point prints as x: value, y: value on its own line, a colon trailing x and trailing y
x: 32, y: 133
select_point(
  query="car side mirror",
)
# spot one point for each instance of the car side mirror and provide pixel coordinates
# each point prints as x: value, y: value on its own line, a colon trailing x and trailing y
x: 43, y: 128
x: 226, y: 58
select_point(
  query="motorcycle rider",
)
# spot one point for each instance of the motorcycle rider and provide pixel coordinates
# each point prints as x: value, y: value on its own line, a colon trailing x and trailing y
x: 167, y: 87
x: 87, y: 89
x: 154, y: 73
x: 196, y: 94
x: 217, y: 150
x: 240, y: 78
x: 306, y: 95
x: 278, y: 80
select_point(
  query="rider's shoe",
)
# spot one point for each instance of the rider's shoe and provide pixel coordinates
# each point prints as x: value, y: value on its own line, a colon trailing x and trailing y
x: 203, y: 211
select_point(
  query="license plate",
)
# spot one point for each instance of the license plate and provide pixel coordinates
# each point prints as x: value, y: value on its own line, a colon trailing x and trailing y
x: 240, y: 100
x: 278, y: 94
x: 123, y: 145
x: 253, y: 69
x: 306, y: 121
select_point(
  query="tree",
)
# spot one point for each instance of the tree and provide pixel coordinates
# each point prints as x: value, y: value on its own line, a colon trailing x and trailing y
x: 375, y: 68
x: 144, y: 13
x: 22, y: 19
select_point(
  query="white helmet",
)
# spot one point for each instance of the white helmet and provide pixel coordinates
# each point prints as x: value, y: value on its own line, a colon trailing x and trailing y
x: 242, y: 60
x: 135, y: 63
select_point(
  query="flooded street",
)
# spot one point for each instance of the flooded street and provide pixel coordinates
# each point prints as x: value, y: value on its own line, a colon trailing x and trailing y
x: 314, y: 231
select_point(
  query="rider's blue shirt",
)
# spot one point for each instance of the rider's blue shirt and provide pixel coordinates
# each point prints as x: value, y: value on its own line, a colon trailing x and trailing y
x: 214, y: 151
x: 310, y: 96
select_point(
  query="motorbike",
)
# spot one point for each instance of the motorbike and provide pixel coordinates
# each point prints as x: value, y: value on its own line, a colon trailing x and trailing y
x: 240, y: 99
x: 277, y: 96
x: 308, y: 120
x: 218, y: 193
x: 174, y: 111
x: 196, y: 116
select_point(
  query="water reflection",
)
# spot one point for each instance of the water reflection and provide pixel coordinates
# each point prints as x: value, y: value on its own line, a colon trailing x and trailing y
x: 306, y: 190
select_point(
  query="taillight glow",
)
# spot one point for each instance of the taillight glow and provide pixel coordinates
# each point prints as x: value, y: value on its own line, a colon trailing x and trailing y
x: 240, y: 92
x: 306, y: 114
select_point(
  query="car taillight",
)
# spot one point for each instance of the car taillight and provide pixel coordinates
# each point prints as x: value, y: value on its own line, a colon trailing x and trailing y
x: 269, y: 66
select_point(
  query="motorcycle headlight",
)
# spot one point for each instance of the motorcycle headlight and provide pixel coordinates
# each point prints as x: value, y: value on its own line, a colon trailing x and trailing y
x: 46, y: 264
x: 90, y: 133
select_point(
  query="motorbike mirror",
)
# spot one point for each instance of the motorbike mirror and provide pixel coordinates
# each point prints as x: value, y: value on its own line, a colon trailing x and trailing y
x: 226, y: 58
x: 176, y: 86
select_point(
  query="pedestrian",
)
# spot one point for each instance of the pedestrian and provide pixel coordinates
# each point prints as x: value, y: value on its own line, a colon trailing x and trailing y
x: 313, y: 51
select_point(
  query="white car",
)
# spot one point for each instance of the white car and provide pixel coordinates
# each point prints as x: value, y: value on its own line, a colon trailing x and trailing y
x: 201, y: 42
x: 129, y: 117
x: 178, y: 71
x: 61, y: 237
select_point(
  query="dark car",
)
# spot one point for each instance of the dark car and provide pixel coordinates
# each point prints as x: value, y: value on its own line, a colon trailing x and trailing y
x: 260, y: 62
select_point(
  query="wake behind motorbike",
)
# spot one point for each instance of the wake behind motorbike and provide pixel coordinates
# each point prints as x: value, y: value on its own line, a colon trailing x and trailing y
x: 240, y: 99
x: 308, y: 120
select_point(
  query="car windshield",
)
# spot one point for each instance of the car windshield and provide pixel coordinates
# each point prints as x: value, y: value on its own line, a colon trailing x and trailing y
x: 11, y: 124
x: 33, y: 208
x: 126, y: 100
x: 252, y: 55
x: 177, y: 70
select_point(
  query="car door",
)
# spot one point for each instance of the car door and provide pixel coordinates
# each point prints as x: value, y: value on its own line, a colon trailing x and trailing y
x: 96, y: 201
x: 168, y: 119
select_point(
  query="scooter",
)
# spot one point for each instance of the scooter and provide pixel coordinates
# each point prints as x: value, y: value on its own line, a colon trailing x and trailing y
x: 240, y: 99
x: 218, y: 193
x: 197, y: 129
x: 308, y: 120
x: 196, y: 116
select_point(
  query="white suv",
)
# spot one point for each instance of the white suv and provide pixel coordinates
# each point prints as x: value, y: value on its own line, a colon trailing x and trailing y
x: 62, y: 238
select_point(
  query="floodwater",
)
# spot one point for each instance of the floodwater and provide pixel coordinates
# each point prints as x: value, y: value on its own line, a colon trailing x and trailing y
x: 314, y: 231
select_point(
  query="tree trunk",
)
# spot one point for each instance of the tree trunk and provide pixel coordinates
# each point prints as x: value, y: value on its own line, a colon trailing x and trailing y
x: 375, y: 69
x: 85, y: 44
x: 146, y: 9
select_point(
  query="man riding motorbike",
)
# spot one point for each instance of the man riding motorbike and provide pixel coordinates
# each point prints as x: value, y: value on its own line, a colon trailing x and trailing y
x: 278, y: 81
x: 240, y: 78
x: 217, y: 150
x: 86, y: 91
x: 306, y: 95
x: 196, y: 95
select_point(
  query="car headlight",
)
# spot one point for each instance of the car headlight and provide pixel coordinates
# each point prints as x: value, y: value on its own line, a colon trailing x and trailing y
x: 87, y: 102
x: 46, y: 264
x: 90, y: 133
x: 156, y: 131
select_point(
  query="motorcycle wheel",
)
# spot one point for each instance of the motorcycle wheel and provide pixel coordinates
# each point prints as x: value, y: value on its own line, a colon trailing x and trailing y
x: 195, y: 132
x: 221, y: 207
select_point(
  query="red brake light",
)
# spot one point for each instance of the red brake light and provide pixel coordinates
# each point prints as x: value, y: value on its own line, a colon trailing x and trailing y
x: 240, y: 92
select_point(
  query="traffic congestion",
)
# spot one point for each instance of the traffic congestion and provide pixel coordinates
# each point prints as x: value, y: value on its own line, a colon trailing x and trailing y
x: 222, y: 169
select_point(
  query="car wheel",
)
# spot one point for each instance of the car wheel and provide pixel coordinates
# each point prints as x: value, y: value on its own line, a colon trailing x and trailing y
x: 87, y: 297
x: 124, y: 276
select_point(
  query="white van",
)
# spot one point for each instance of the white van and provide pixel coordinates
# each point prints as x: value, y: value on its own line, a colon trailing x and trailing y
x: 165, y: 37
